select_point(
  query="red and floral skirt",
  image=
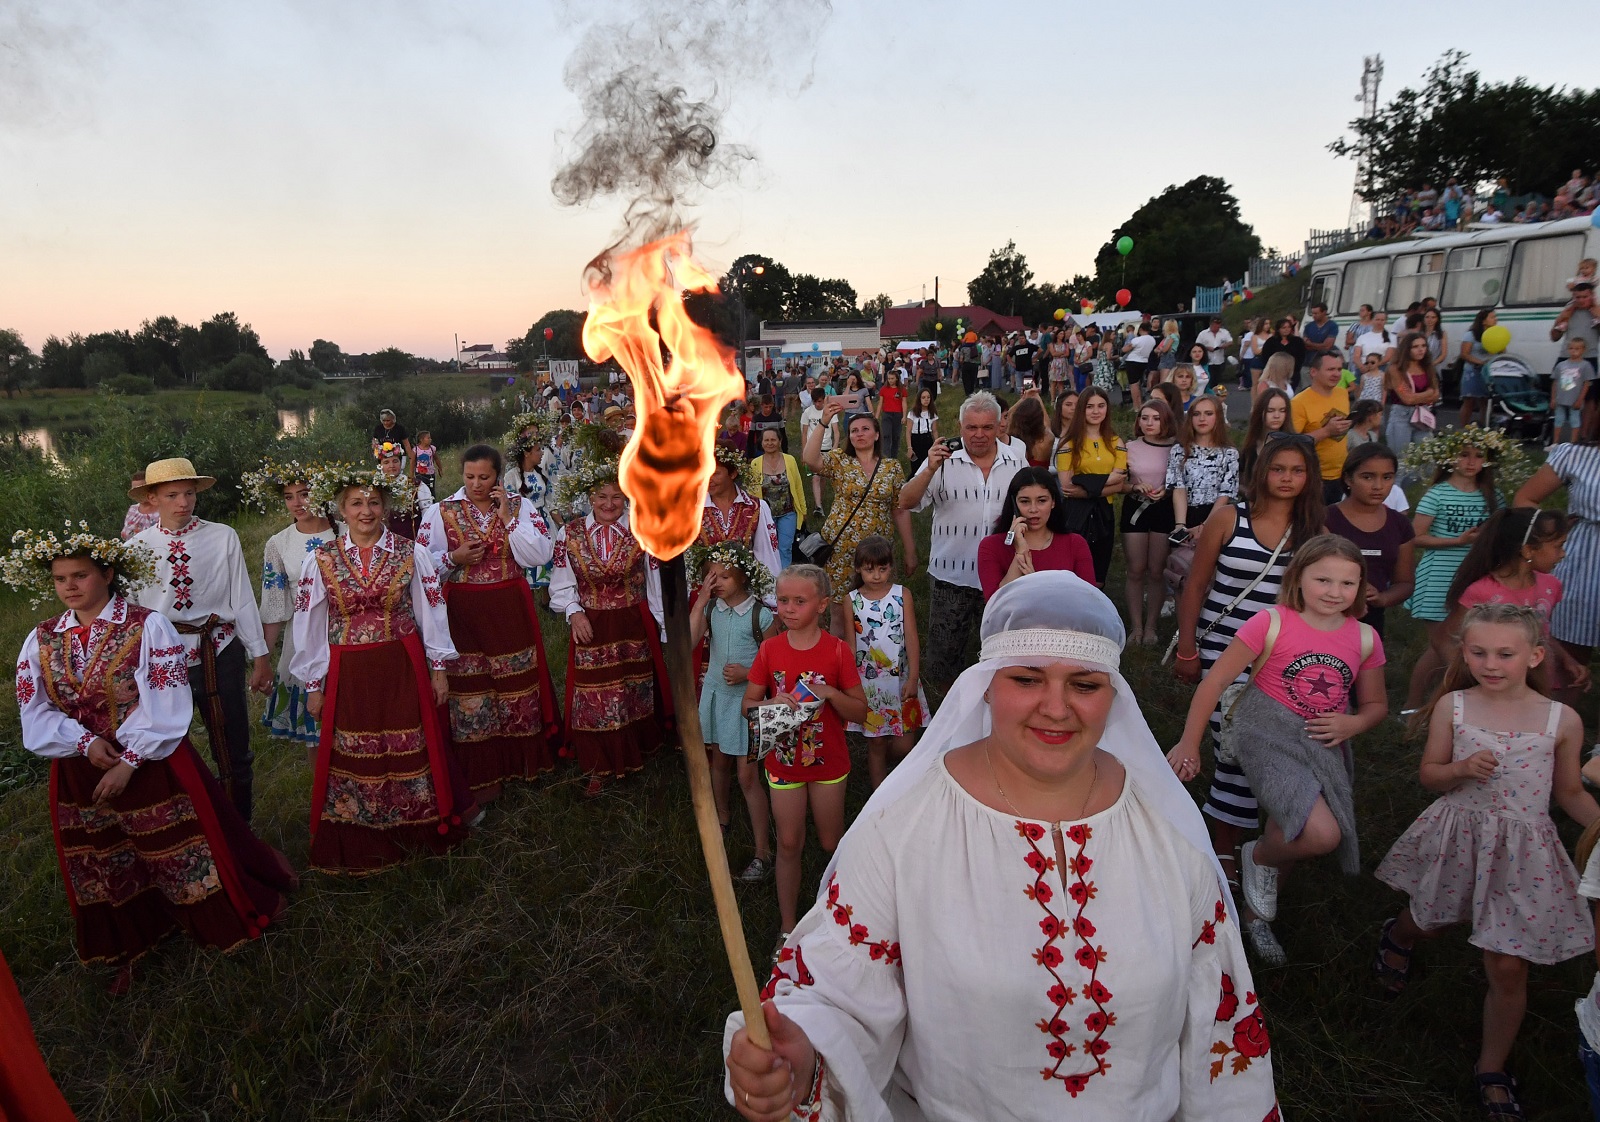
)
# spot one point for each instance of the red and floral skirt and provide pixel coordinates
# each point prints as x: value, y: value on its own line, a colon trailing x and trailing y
x: 619, y: 705
x: 27, y: 1093
x: 169, y: 852
x: 387, y: 786
x: 503, y: 718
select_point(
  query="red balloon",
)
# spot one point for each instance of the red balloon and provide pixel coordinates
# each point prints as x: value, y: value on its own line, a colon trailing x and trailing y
x: 1124, y: 297
x: 549, y: 333
x: 1085, y: 302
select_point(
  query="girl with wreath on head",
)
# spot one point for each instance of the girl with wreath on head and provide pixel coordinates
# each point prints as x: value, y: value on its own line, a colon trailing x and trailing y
x: 734, y: 509
x: 503, y: 717
x: 286, y: 716
x: 618, y: 703
x: 148, y: 842
x: 372, y: 644
x: 405, y: 502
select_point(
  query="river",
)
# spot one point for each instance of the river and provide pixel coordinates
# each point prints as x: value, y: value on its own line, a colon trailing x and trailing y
x: 291, y: 422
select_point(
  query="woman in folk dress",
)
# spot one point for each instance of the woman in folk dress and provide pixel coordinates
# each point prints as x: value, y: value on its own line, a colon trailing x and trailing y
x: 503, y: 718
x: 148, y: 842
x: 372, y: 643
x: 619, y: 704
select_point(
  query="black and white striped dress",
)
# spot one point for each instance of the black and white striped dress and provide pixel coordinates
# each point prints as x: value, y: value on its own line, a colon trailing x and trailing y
x: 1241, y: 560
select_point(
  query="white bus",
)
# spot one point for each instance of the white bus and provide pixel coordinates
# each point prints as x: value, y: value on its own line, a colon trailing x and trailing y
x: 1521, y: 271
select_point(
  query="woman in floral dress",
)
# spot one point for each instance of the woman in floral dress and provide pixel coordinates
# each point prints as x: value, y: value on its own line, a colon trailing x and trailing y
x: 147, y: 841
x: 372, y: 643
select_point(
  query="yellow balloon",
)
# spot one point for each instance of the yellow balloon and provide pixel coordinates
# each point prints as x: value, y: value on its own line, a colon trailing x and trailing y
x: 1496, y: 339
x: 1061, y: 313
x: 938, y: 327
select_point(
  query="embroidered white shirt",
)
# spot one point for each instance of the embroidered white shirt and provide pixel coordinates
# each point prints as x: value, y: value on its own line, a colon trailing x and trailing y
x: 200, y: 572
x: 564, y: 583
x: 528, y: 534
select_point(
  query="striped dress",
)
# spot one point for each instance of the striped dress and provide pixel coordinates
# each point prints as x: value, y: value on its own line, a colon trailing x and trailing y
x: 1242, y: 558
x: 1576, y: 618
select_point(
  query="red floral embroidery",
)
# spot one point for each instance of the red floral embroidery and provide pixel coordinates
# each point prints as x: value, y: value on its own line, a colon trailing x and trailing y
x: 169, y: 673
x: 83, y: 743
x: 182, y: 583
x: 1229, y: 1005
x: 1249, y: 1039
x: 24, y: 683
x: 881, y: 950
x: 800, y: 975
x: 431, y: 589
x: 1208, y: 929
x: 302, y: 594
x: 1099, y: 1019
x: 558, y: 557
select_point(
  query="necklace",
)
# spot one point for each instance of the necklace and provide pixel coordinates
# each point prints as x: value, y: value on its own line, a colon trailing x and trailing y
x: 1094, y: 780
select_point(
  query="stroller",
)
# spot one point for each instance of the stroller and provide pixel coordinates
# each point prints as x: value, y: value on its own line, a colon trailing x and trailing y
x: 1519, y: 399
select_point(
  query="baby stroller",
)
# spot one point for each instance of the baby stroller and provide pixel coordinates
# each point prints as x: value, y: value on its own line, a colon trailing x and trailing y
x: 1519, y: 400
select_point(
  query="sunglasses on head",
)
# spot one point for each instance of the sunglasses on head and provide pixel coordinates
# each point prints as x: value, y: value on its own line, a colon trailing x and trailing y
x: 1292, y: 438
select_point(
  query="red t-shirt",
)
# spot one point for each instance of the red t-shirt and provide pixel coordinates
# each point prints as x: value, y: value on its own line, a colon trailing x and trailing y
x: 1066, y: 551
x: 778, y: 668
x: 893, y: 398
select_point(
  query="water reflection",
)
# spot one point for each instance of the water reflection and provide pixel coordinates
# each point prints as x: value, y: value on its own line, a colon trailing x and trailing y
x: 40, y: 441
x: 293, y: 422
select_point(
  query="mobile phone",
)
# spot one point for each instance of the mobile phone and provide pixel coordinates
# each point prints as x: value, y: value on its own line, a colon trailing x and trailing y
x: 953, y: 444
x: 1027, y: 383
x: 852, y: 400
x: 1179, y: 535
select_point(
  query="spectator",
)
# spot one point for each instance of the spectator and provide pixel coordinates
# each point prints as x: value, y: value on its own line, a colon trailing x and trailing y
x: 966, y: 487
x: 1567, y: 391
x: 1321, y: 335
x: 1286, y: 341
x: 1136, y: 357
x: 1022, y: 353
x: 1450, y: 204
x: 1431, y: 219
x: 1322, y: 411
x: 1360, y: 327
x: 1424, y: 199
x: 389, y: 431
x: 1216, y: 339
x: 765, y: 417
x: 1491, y: 215
x: 1379, y: 341
x: 1412, y: 386
x: 968, y: 355
x: 1577, y: 321
x: 1474, y: 382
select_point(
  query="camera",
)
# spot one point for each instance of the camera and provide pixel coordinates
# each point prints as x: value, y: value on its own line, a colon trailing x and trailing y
x: 953, y: 443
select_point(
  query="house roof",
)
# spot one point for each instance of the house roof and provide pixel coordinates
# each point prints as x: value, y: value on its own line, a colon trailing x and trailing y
x: 814, y: 324
x: 478, y: 348
x: 903, y: 323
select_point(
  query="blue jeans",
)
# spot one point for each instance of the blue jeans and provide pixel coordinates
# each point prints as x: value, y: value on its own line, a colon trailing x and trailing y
x: 1591, y: 1074
x: 785, y: 526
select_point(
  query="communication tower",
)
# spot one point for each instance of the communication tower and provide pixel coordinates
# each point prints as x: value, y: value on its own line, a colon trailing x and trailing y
x: 1371, y: 75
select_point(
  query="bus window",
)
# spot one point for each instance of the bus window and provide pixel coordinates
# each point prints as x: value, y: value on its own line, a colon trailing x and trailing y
x: 1416, y: 277
x: 1323, y: 288
x: 1541, y: 267
x: 1363, y: 284
x: 1473, y: 276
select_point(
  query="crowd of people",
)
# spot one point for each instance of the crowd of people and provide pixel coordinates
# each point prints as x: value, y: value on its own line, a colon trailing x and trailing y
x: 411, y: 663
x: 1456, y: 206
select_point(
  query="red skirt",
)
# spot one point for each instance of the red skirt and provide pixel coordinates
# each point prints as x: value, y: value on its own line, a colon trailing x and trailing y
x: 503, y: 719
x: 27, y: 1093
x: 619, y: 704
x: 169, y: 852
x: 387, y: 786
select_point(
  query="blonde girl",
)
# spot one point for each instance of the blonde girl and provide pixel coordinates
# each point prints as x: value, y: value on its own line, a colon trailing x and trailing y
x: 1276, y: 374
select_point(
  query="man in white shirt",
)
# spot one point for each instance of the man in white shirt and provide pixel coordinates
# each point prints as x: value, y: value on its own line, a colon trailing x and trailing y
x: 966, y: 488
x: 204, y: 589
x: 1216, y: 340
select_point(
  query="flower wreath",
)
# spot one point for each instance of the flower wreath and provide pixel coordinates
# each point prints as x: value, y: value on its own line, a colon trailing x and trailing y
x: 330, y: 481
x: 263, y: 487
x: 746, y: 472
x: 735, y: 555
x: 580, y: 481
x: 517, y: 440
x: 27, y: 567
x: 1442, y: 450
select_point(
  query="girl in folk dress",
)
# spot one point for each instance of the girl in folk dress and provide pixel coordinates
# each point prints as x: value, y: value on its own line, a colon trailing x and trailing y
x: 1309, y: 657
x: 405, y: 503
x: 881, y: 619
x: 619, y: 704
x: 530, y: 473
x: 286, y: 716
x: 372, y: 642
x: 729, y: 610
x: 1486, y: 852
x: 503, y: 719
x: 147, y: 841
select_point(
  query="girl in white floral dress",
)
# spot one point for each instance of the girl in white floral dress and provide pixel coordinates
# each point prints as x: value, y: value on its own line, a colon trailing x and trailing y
x: 882, y: 623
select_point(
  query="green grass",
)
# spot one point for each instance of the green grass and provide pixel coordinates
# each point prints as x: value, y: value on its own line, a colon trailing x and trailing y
x: 1274, y: 302
x: 564, y: 963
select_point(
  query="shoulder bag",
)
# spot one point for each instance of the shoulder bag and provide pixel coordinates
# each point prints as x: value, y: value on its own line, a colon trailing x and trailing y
x: 1172, y: 647
x: 816, y: 549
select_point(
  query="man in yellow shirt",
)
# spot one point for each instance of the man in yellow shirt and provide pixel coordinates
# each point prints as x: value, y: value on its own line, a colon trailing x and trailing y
x: 1322, y: 412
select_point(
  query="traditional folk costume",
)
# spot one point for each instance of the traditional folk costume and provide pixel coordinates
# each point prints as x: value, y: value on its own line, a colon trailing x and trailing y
x: 503, y: 717
x: 535, y: 487
x: 286, y: 716
x: 953, y: 969
x: 748, y: 522
x: 386, y: 784
x: 27, y: 1092
x: 618, y: 703
x: 203, y: 588
x: 170, y: 851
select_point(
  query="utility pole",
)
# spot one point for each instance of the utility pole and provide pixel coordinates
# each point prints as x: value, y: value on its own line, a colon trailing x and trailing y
x: 936, y: 305
x: 458, y: 352
x: 1360, y: 208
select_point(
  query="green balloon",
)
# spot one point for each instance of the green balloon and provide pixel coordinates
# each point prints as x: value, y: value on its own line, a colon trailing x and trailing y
x: 1124, y: 245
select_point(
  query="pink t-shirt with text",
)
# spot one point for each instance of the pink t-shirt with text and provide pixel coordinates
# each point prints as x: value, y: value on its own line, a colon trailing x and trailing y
x: 1542, y: 596
x: 1311, y: 672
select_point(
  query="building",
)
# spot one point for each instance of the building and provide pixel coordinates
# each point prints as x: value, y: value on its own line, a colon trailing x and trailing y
x: 905, y: 322
x: 483, y: 356
x: 822, y: 336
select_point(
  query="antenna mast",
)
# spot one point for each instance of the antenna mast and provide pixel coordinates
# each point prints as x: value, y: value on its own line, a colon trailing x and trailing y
x: 1371, y: 75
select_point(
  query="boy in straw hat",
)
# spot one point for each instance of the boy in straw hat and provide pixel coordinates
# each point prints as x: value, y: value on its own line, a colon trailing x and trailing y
x: 203, y: 587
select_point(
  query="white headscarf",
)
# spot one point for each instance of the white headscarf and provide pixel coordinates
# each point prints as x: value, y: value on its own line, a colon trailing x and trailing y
x: 1043, y: 618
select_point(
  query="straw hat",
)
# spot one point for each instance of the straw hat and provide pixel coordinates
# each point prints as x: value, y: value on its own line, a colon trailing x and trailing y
x: 176, y: 470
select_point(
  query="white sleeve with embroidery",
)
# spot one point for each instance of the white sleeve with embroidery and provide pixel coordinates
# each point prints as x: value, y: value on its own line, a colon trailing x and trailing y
x: 652, y: 594
x: 310, y: 626
x: 242, y: 597
x: 563, y: 583
x: 427, y: 602
x: 529, y: 537
x: 46, y: 730
x: 839, y: 978
x: 767, y: 547
x: 277, y: 597
x: 431, y: 536
x: 161, y: 719
x: 1225, y: 1069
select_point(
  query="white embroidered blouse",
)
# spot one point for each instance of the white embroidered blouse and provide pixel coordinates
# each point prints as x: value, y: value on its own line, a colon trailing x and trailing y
x: 528, y: 534
x: 953, y: 973
x: 200, y: 572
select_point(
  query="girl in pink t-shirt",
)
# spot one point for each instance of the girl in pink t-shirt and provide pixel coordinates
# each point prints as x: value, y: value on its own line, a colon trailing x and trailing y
x: 1511, y: 562
x: 1288, y: 728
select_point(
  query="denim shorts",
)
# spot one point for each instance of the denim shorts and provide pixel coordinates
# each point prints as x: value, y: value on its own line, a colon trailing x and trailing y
x: 1567, y: 416
x: 1472, y: 382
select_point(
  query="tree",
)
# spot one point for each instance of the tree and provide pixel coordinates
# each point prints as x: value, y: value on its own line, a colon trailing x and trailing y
x: 16, y: 362
x: 61, y: 362
x: 1006, y: 283
x: 392, y: 362
x: 874, y: 308
x: 1458, y: 125
x: 327, y: 357
x: 817, y: 298
x: 566, y: 340
x: 102, y: 366
x: 765, y: 294
x: 245, y: 373
x: 1186, y: 236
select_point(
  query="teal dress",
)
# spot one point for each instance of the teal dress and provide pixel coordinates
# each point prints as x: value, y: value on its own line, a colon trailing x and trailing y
x: 735, y: 638
x: 1454, y: 513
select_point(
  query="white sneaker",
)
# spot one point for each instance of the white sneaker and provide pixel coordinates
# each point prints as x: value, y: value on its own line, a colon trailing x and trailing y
x: 1260, y: 883
x: 1168, y: 609
x: 1264, y: 943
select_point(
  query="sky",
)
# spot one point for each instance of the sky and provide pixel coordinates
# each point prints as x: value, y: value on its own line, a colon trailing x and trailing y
x: 378, y: 173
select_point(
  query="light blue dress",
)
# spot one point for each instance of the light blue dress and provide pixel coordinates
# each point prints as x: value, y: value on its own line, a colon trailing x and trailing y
x: 733, y: 639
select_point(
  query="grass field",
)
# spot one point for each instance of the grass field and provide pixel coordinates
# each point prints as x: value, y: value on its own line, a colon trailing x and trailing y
x: 564, y: 963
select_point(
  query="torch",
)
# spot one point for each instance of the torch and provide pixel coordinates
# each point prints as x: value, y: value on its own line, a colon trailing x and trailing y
x: 664, y: 470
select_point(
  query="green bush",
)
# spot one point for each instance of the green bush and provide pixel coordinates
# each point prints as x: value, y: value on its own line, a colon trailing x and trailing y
x: 418, y: 404
x: 129, y: 384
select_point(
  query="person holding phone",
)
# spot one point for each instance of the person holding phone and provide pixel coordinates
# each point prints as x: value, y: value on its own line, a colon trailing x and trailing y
x: 503, y: 717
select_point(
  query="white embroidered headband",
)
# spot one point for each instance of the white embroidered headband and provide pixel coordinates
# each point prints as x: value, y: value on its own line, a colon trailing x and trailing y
x: 1053, y: 645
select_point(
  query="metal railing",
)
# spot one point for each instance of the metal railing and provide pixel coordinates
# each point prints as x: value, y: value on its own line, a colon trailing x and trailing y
x: 1322, y: 242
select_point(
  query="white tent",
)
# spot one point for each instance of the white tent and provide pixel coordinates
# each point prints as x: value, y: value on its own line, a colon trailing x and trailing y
x: 1104, y: 320
x: 798, y: 349
x: 922, y: 346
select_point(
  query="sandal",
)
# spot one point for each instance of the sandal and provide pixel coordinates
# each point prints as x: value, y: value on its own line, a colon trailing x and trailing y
x: 1230, y: 870
x: 1498, y: 1083
x: 1392, y: 977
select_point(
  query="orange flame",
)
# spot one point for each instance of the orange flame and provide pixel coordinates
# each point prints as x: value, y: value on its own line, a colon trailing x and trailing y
x: 667, y: 464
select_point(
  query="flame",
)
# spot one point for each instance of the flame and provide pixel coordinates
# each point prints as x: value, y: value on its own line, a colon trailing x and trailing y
x: 667, y: 464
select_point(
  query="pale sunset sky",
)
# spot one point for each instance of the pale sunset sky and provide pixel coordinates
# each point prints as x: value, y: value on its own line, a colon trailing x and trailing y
x: 377, y: 173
